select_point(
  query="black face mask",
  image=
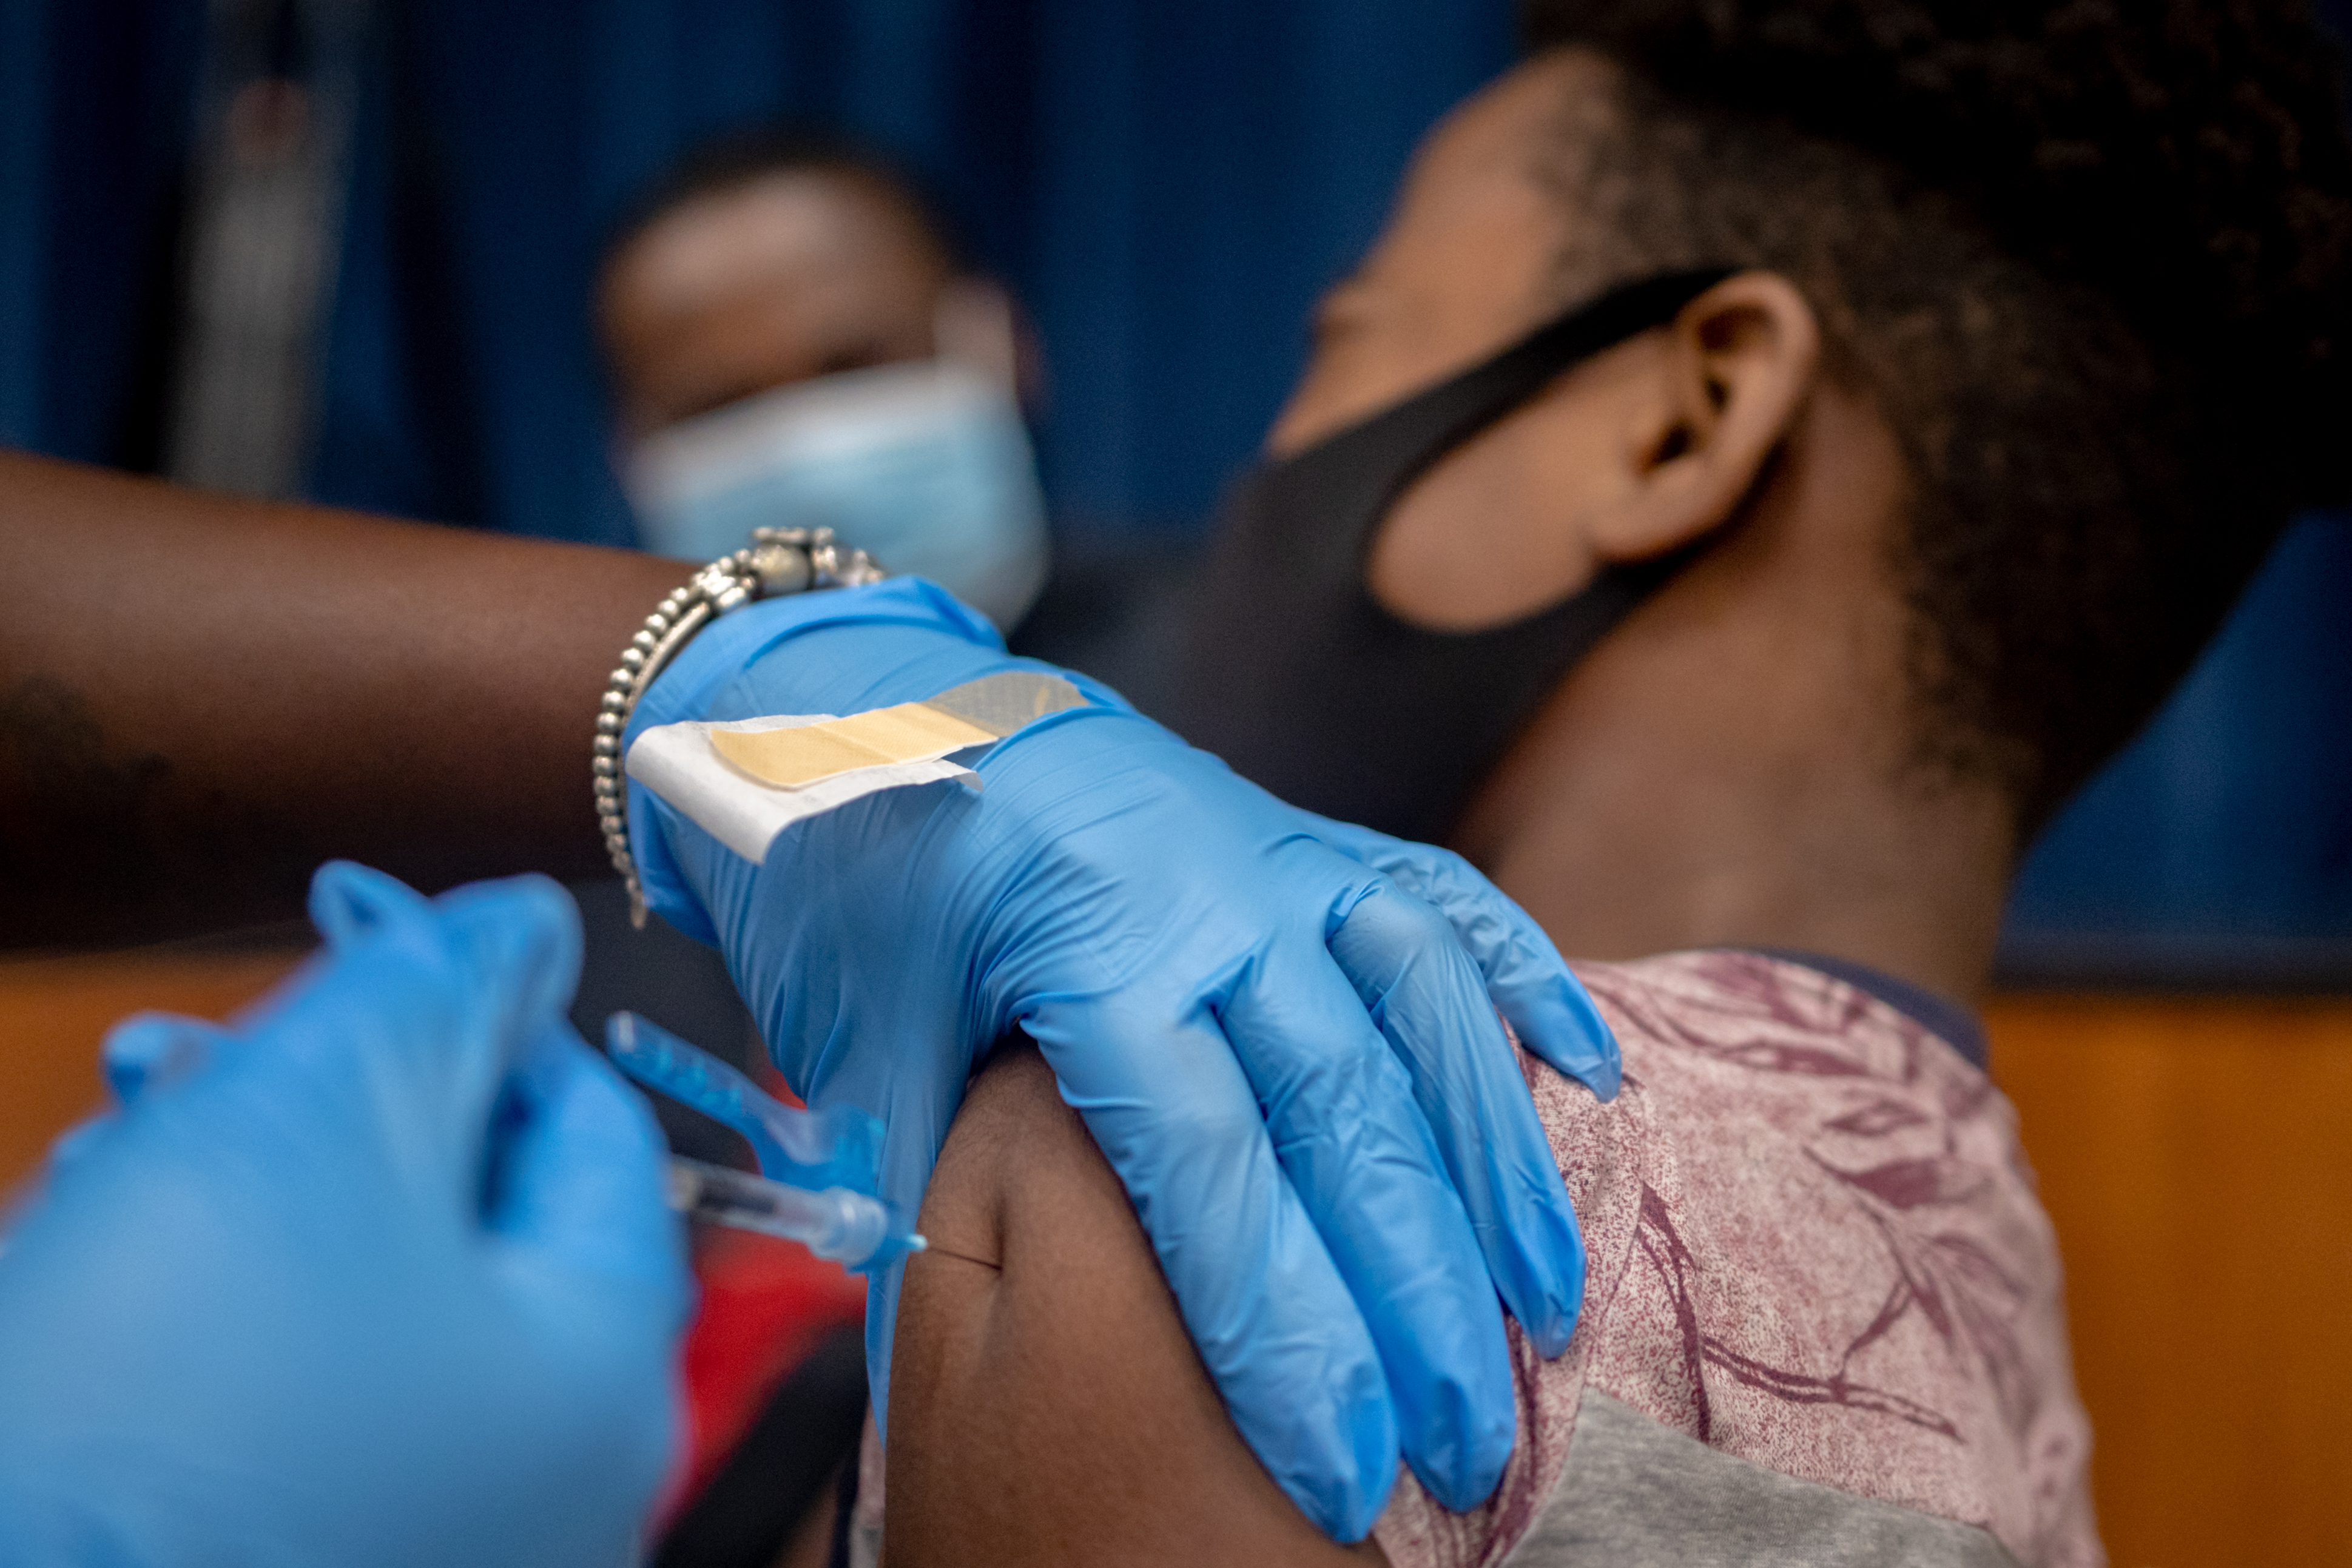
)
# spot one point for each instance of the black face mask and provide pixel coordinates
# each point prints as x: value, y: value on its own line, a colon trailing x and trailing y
x: 1298, y: 678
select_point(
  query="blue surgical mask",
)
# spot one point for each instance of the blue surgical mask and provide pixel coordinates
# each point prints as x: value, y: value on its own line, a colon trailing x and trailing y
x: 924, y: 466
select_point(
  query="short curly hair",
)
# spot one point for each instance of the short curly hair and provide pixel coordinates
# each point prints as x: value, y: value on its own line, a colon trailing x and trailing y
x: 2088, y: 257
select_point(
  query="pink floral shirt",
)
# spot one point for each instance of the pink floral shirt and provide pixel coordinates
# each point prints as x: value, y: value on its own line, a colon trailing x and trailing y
x: 1813, y: 1245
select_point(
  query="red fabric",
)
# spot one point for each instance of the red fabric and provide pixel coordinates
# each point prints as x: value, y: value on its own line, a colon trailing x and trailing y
x: 765, y: 1304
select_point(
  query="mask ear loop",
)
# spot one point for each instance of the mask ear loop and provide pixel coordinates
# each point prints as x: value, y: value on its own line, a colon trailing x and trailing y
x: 1307, y: 523
x: 1456, y: 411
x: 1488, y: 392
x: 1476, y: 399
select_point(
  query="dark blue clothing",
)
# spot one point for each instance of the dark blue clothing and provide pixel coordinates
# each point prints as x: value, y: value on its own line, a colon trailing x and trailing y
x: 1940, y: 1016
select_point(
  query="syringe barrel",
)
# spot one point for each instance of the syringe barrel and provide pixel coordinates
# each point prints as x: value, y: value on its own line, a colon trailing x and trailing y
x: 846, y: 1226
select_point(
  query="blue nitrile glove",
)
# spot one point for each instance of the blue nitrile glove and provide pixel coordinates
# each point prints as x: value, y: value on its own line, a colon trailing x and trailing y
x: 383, y: 1275
x: 1212, y: 974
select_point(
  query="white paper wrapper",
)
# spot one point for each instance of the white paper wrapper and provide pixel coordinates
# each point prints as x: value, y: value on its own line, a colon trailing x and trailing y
x: 675, y: 762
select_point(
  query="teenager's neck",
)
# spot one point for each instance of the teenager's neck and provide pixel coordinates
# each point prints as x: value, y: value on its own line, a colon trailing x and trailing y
x: 1650, y: 849
x: 1723, y: 772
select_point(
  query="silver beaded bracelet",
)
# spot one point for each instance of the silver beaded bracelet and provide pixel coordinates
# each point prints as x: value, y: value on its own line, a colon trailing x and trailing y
x: 778, y: 561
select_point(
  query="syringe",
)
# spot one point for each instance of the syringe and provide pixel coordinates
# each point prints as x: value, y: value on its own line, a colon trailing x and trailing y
x: 819, y: 1171
x: 849, y: 1228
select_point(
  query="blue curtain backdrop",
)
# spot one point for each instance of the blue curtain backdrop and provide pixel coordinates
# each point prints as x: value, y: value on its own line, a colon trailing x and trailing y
x: 1168, y: 186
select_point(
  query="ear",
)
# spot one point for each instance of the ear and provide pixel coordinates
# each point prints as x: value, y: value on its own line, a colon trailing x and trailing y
x: 1734, y: 374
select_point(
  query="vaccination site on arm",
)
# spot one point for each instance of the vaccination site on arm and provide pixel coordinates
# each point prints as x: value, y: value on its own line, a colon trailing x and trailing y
x: 784, y: 786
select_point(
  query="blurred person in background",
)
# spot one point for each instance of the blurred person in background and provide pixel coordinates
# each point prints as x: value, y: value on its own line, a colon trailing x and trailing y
x: 794, y: 339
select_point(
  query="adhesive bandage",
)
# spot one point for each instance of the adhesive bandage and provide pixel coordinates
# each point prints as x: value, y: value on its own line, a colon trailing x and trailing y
x: 746, y: 782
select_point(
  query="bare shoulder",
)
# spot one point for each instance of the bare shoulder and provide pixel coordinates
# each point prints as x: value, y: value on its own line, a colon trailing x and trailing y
x: 1052, y: 1410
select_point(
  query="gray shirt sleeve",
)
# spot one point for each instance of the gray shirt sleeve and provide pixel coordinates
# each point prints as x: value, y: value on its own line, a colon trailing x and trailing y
x: 1636, y: 1494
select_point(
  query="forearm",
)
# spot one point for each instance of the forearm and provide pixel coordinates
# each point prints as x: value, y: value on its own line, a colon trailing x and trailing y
x: 201, y: 698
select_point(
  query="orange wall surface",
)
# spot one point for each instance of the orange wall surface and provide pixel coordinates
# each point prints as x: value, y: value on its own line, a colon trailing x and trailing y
x: 55, y: 1011
x: 2196, y: 1156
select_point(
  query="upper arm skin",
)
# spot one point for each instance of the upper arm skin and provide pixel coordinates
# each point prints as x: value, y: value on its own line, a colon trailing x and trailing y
x: 1055, y: 1412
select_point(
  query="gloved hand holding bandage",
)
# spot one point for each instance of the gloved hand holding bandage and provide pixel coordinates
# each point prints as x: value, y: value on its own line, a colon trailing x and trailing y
x: 1279, y: 1030
x: 381, y: 1276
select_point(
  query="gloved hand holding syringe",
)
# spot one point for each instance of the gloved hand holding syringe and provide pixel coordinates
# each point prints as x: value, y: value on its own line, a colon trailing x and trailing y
x: 819, y: 1170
